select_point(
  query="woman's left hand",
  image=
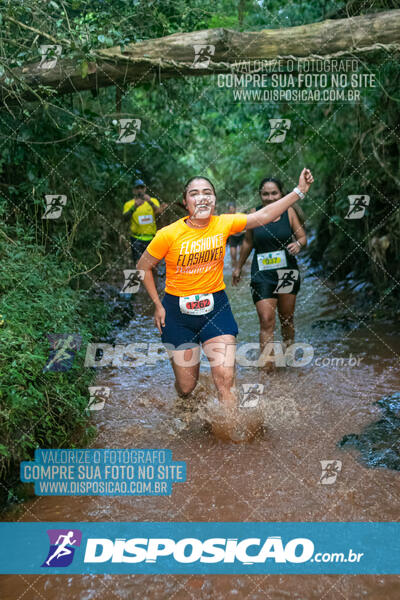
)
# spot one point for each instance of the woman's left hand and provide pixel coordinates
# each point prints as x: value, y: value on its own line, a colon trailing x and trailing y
x: 293, y: 248
x: 305, y: 180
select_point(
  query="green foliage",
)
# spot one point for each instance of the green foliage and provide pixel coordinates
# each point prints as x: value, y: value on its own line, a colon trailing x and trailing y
x: 40, y: 409
x: 82, y: 26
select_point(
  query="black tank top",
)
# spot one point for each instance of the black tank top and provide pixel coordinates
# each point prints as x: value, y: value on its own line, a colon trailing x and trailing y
x: 269, y: 238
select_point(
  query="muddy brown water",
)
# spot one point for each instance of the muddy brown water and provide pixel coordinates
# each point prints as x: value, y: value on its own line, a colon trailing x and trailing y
x: 275, y: 477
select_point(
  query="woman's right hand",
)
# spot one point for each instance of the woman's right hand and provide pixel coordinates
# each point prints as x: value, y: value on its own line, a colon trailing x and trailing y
x: 159, y: 317
x: 236, y: 276
x: 305, y: 180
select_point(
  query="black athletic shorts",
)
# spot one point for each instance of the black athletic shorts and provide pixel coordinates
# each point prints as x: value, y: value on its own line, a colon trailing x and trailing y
x: 235, y: 240
x: 260, y: 290
x: 195, y: 329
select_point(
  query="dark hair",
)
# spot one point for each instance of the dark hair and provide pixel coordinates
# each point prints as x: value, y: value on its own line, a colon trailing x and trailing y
x: 193, y: 179
x: 274, y: 180
x: 279, y: 185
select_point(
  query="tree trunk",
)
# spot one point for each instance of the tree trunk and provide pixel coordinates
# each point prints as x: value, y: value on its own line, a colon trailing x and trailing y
x: 174, y: 55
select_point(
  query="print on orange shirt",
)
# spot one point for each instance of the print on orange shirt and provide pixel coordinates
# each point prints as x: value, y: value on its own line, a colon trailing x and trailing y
x: 206, y: 250
x: 194, y: 258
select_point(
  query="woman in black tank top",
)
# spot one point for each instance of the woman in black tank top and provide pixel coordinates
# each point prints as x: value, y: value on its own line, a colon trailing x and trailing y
x: 275, y: 276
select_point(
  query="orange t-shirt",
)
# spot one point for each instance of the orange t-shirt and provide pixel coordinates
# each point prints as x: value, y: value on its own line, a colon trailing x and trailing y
x: 195, y: 257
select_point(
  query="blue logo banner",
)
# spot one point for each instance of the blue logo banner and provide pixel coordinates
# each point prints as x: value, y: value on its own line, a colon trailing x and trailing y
x: 200, y: 547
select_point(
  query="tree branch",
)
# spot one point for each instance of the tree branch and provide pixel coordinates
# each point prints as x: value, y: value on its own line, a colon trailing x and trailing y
x: 174, y: 55
x: 34, y: 30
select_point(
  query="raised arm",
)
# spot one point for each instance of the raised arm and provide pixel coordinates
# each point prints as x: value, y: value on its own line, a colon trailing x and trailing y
x: 276, y: 209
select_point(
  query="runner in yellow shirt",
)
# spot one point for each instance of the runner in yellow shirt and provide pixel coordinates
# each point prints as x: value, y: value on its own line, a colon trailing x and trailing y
x: 195, y: 309
x: 142, y: 211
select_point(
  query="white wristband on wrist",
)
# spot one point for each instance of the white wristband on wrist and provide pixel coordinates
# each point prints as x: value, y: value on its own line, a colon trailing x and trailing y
x: 299, y: 193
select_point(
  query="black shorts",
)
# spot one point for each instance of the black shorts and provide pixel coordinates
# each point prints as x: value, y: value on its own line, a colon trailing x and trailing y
x: 235, y: 240
x: 192, y: 330
x: 138, y: 247
x: 267, y: 288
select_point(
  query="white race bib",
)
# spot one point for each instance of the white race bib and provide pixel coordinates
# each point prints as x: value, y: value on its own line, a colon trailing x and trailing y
x: 197, y: 304
x: 271, y: 260
x: 145, y: 219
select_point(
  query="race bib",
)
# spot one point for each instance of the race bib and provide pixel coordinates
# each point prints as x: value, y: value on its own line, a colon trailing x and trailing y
x: 271, y: 260
x: 145, y: 219
x: 198, y: 304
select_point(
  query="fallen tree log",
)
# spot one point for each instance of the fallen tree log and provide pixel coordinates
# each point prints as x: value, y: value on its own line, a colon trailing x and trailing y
x: 177, y: 55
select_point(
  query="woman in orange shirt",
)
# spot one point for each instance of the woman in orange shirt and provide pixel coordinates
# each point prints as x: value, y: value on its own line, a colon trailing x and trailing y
x: 195, y: 309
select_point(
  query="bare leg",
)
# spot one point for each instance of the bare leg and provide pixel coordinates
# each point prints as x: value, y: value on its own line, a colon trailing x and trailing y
x: 266, y: 314
x: 220, y: 352
x: 186, y: 366
x: 286, y: 306
x: 232, y: 424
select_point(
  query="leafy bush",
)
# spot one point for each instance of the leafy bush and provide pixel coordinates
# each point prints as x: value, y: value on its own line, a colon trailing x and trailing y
x: 40, y: 409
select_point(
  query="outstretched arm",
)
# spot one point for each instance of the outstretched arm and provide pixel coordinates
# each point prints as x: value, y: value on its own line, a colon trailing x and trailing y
x: 276, y: 209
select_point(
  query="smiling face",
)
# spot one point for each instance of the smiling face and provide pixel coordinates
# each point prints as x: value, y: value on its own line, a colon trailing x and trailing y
x: 269, y: 193
x: 200, y: 199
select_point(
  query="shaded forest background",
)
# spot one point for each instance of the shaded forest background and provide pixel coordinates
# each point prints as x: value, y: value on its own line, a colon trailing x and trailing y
x: 67, y: 145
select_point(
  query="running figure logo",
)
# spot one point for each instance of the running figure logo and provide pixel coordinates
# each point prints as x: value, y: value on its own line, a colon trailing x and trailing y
x: 128, y: 128
x: 330, y: 471
x: 54, y: 206
x: 50, y: 54
x: 133, y: 277
x: 62, y: 547
x: 203, y: 54
x: 286, y: 280
x: 249, y: 395
x: 98, y: 397
x: 63, y: 349
x: 279, y: 129
x: 357, y: 206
